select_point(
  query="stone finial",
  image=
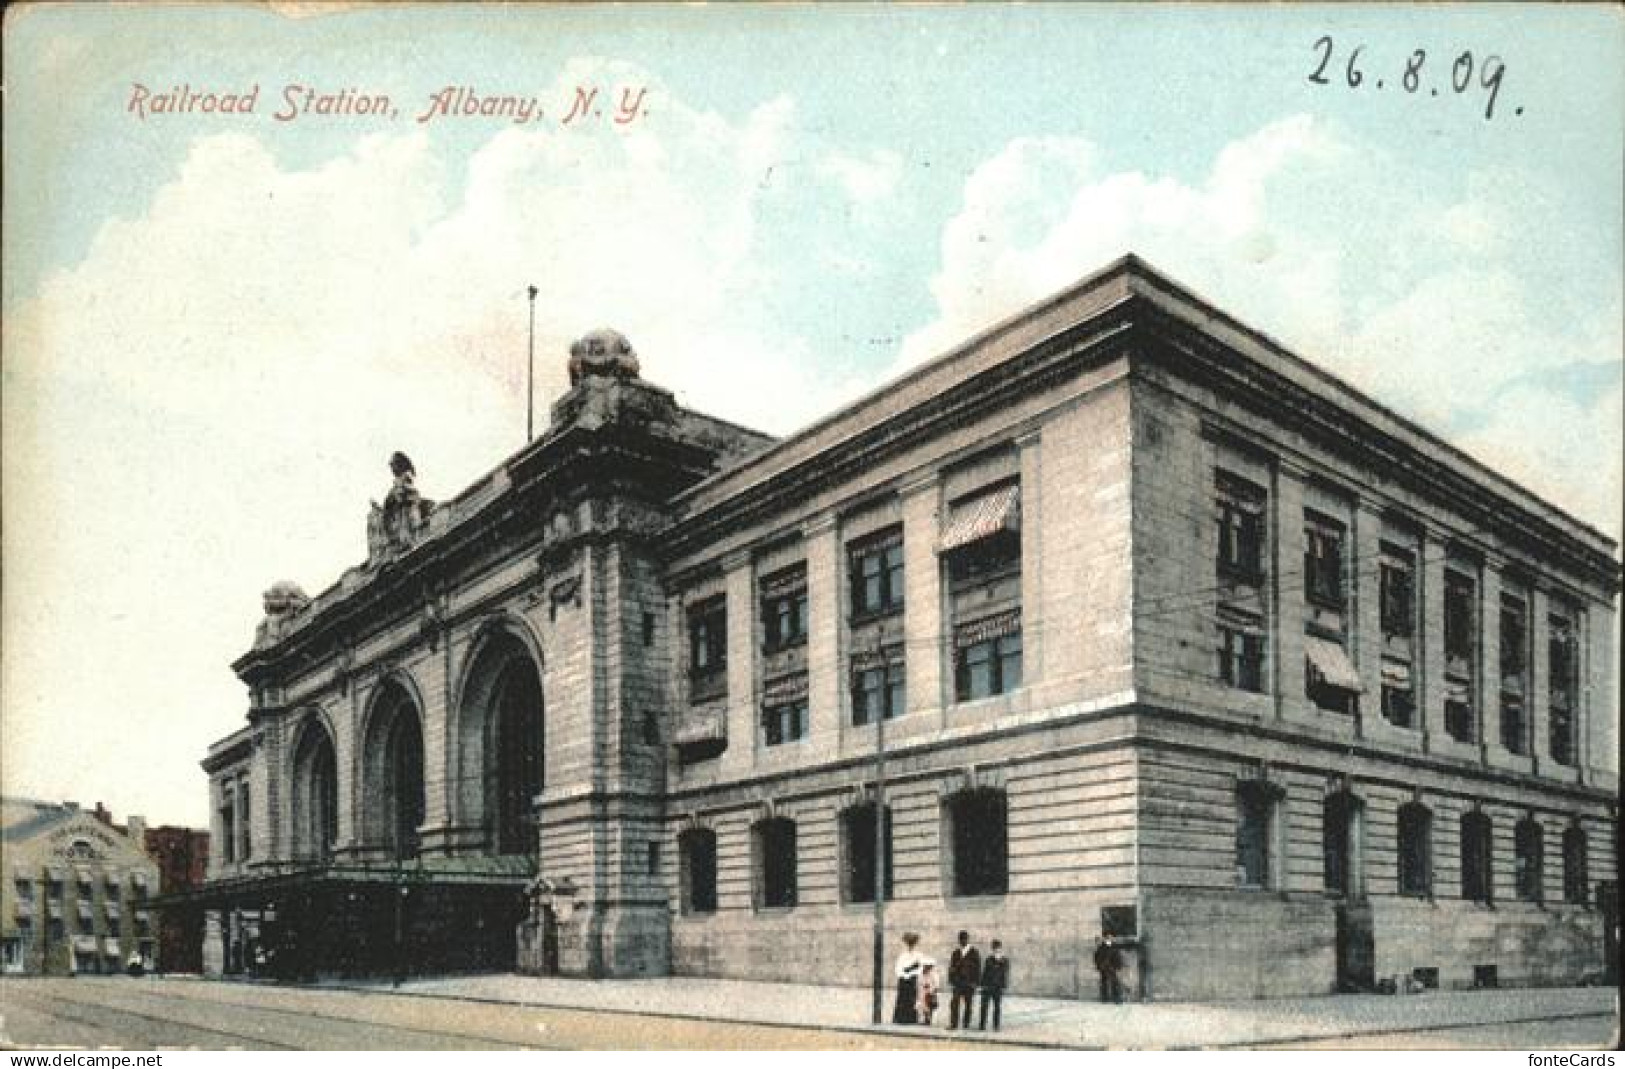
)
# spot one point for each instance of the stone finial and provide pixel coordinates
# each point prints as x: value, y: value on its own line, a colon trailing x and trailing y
x: 285, y: 597
x: 602, y: 352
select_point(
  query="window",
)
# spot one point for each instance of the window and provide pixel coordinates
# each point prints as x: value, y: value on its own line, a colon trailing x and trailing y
x: 649, y: 728
x: 708, y: 637
x: 1240, y: 508
x: 247, y: 826
x: 1561, y: 683
x: 784, y: 609
x: 1575, y: 877
x: 776, y: 863
x: 1341, y: 843
x: 651, y: 859
x: 858, y: 827
x: 1476, y: 876
x: 987, y: 657
x: 1415, y: 850
x: 875, y: 567
x: 1397, y: 592
x: 1255, y: 833
x: 697, y: 851
x: 1323, y: 560
x: 1398, y: 695
x: 1460, y: 641
x: 784, y: 721
x: 228, y: 834
x: 1528, y: 860
x: 1514, y: 673
x: 1241, y: 656
x: 984, y: 560
x: 979, y: 829
x: 877, y: 688
x: 112, y: 927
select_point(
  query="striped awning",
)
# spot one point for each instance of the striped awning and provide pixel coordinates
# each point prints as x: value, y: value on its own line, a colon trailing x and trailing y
x: 56, y: 873
x: 84, y: 911
x: 24, y: 907
x: 1457, y: 690
x: 1332, y: 662
x: 987, y: 628
x: 701, y: 725
x: 982, y: 517
x: 85, y: 944
x: 111, y: 908
x: 1395, y: 674
x: 865, y: 660
x: 785, y: 581
x: 53, y: 910
x: 785, y: 689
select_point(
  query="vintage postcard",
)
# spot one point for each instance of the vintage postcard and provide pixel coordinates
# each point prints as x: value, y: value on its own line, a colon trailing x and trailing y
x: 853, y: 526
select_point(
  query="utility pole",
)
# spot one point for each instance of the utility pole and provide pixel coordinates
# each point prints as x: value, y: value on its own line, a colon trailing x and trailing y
x: 878, y: 1009
x: 530, y: 374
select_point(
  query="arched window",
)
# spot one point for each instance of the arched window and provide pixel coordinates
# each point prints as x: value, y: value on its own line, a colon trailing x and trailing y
x: 775, y: 849
x: 393, y: 808
x: 697, y: 870
x: 315, y: 794
x: 1341, y: 826
x: 1575, y: 877
x: 858, y: 853
x: 1415, y: 850
x: 1477, y: 882
x: 978, y: 828
x: 1528, y: 860
x: 500, y: 755
x: 518, y: 757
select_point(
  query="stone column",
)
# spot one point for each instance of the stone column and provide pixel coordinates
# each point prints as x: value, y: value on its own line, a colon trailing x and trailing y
x: 923, y: 638
x: 825, y: 667
x: 740, y: 586
x: 1032, y: 557
x: 1287, y: 591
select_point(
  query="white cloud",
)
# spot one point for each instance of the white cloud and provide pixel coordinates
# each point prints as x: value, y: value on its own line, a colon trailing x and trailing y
x: 206, y: 402
x: 1436, y: 314
x: 866, y: 179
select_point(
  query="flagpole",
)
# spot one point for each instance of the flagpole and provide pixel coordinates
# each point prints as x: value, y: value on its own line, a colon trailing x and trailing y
x: 530, y: 375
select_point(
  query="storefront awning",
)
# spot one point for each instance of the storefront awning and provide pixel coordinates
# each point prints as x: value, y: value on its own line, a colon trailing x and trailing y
x: 490, y: 872
x: 1333, y: 664
x: 982, y: 517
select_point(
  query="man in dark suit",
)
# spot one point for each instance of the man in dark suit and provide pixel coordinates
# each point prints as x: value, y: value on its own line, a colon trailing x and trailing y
x: 995, y: 978
x: 964, y: 973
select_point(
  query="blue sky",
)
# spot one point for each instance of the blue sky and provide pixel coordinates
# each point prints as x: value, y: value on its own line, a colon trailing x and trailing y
x: 216, y: 327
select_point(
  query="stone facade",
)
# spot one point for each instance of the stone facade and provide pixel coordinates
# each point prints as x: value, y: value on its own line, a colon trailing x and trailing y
x: 1172, y: 637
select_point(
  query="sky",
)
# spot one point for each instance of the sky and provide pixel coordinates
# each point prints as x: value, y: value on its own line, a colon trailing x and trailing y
x: 218, y: 326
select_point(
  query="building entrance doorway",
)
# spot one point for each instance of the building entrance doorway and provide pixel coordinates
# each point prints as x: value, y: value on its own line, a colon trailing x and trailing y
x: 1356, y: 948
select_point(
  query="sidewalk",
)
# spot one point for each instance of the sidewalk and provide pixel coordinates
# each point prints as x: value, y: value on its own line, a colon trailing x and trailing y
x: 1049, y: 1022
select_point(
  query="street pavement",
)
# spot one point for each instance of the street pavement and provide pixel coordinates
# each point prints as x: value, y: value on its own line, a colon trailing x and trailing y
x: 507, y: 1011
x: 1591, y: 1012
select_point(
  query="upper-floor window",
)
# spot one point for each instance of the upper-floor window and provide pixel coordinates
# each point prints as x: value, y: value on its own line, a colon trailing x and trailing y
x: 1514, y: 673
x: 708, y: 646
x: 1397, y: 592
x: 1239, y: 505
x: 987, y: 656
x: 784, y: 609
x: 247, y: 826
x: 784, y: 710
x: 1460, y: 644
x: 875, y: 568
x: 228, y: 834
x: 1323, y: 560
x: 877, y: 686
x: 1561, y: 676
x: 1241, y: 653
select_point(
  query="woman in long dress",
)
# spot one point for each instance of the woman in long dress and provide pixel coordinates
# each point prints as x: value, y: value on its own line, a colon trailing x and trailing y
x: 909, y: 964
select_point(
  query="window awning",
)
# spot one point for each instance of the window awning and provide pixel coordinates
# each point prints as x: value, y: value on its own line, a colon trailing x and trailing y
x: 1395, y: 674
x: 23, y: 907
x: 982, y: 517
x: 987, y: 629
x: 139, y: 879
x: 785, y: 689
x: 111, y: 908
x: 701, y: 725
x: 1333, y: 664
x: 22, y: 872
x: 1457, y: 690
x: 792, y: 580
x: 85, y: 944
x: 55, y: 873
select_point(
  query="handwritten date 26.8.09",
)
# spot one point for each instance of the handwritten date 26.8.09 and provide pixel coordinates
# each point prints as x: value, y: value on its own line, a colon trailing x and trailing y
x: 1416, y: 75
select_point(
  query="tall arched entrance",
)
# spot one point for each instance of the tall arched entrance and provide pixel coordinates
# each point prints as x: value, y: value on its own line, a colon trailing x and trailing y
x: 315, y: 793
x: 394, y: 808
x: 501, y: 744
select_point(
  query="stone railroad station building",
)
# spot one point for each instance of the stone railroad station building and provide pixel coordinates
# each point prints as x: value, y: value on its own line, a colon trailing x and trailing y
x: 1171, y: 634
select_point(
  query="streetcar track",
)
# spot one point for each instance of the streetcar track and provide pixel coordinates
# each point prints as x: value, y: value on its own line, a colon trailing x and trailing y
x: 98, y: 1021
x: 257, y: 1007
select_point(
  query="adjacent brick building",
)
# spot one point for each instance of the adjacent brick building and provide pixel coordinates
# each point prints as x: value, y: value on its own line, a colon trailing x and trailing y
x: 182, y: 856
x: 1172, y: 635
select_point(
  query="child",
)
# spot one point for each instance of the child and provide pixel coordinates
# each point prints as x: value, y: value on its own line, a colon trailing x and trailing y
x: 928, y: 991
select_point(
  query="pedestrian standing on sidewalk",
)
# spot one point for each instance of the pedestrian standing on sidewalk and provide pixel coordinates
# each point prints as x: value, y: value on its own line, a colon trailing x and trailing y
x: 928, y: 991
x: 909, y: 964
x: 1109, y: 963
x: 995, y: 978
x: 964, y: 972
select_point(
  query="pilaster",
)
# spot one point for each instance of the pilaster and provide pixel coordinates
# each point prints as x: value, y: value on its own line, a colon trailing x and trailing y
x: 825, y: 720
x: 739, y: 584
x: 1287, y: 592
x: 1430, y: 682
x: 923, y: 614
x: 1032, y: 557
